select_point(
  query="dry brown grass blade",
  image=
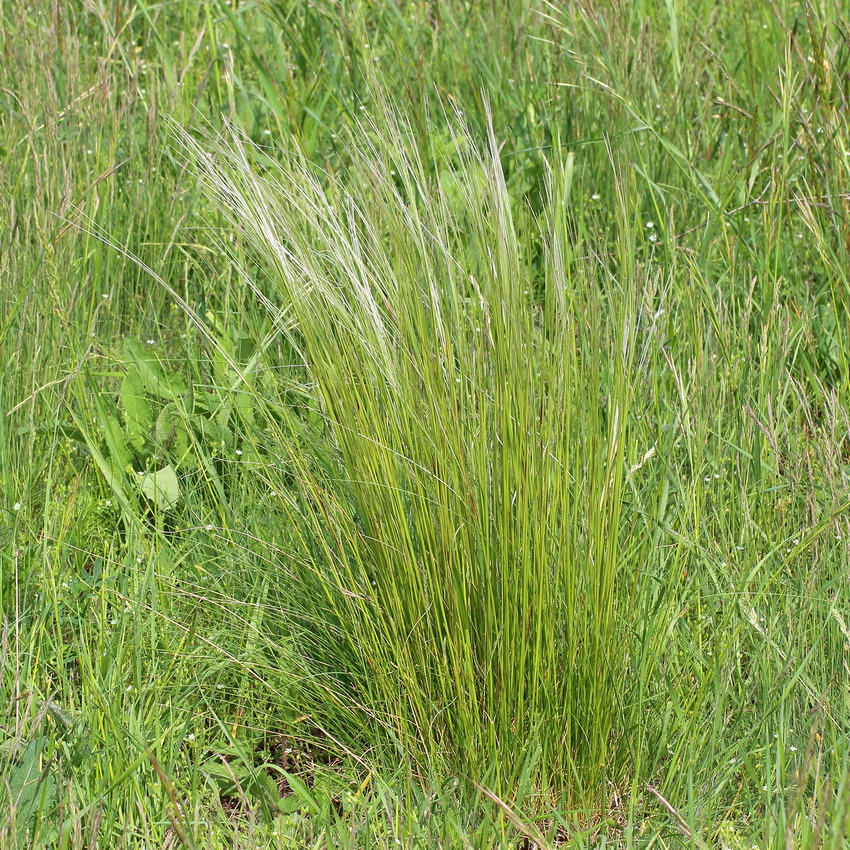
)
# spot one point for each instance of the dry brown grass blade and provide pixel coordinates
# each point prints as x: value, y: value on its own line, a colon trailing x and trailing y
x: 530, y: 832
x: 680, y: 821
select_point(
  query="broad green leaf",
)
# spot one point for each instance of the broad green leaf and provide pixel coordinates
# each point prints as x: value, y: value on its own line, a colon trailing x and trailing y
x: 119, y: 454
x: 161, y: 487
x: 138, y: 416
x: 244, y: 405
x: 154, y: 378
x: 213, y: 433
x: 29, y: 790
x: 172, y: 432
x: 234, y: 778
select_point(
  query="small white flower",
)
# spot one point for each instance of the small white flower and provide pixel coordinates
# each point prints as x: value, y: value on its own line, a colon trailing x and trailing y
x: 208, y: 527
x: 16, y: 506
x: 239, y: 451
x: 267, y: 132
x: 650, y: 224
x: 190, y: 736
x: 653, y: 237
x: 105, y: 295
x: 793, y: 749
x: 151, y: 342
x: 796, y: 541
x: 594, y: 197
x: 129, y: 688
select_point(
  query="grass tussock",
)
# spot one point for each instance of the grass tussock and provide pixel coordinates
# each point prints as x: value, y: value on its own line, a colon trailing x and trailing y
x: 460, y: 547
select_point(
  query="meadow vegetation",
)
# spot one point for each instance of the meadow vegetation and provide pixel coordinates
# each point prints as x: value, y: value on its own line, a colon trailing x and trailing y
x: 424, y: 424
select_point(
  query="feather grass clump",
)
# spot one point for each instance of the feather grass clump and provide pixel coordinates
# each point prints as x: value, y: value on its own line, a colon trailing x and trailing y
x: 455, y: 556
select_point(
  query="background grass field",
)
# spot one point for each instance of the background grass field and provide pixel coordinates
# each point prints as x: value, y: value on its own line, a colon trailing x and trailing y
x: 424, y: 424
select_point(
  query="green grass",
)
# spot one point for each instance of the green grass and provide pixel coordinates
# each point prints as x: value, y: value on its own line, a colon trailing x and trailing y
x: 424, y: 424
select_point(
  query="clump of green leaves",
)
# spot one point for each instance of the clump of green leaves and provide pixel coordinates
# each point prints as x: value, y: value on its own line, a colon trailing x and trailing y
x: 27, y: 784
x: 165, y: 429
